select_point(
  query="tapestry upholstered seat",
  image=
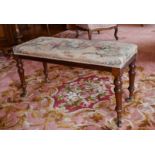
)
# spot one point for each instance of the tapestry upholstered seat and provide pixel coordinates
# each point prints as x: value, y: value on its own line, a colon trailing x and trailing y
x: 103, y: 53
x: 111, y: 56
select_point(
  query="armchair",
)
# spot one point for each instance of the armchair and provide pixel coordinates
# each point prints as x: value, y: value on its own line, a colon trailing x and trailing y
x: 96, y: 27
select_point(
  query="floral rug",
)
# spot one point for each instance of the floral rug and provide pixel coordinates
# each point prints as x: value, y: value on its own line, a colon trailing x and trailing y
x: 74, y: 98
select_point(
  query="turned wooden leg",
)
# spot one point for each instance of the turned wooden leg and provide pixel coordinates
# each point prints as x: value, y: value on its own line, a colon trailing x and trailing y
x: 77, y: 33
x: 116, y: 32
x: 132, y: 74
x: 18, y: 34
x: 98, y: 32
x: 118, y: 95
x: 45, y: 71
x: 90, y: 34
x: 20, y: 68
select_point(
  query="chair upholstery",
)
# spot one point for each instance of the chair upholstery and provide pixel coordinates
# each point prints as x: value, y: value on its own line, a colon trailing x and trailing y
x: 102, y: 53
x: 95, y: 26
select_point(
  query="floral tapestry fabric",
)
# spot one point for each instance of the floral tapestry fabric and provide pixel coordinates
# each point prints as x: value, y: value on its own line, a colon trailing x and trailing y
x: 102, y: 53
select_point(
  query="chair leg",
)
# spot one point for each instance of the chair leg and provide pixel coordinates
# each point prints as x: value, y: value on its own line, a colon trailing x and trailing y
x: 77, y: 33
x: 132, y: 74
x: 118, y: 95
x: 45, y: 71
x: 116, y: 32
x: 89, y: 34
x: 20, y: 68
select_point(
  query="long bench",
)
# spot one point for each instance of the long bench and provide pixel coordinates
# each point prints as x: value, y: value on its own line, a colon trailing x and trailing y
x: 109, y: 56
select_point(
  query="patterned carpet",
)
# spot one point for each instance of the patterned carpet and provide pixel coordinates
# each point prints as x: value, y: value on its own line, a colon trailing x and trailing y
x: 74, y: 98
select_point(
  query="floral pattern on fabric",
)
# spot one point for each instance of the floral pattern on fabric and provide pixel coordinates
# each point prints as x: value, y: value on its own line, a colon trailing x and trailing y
x: 102, y: 53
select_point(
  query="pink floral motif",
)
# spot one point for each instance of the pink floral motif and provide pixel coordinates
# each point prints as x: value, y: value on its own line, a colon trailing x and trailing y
x: 83, y: 93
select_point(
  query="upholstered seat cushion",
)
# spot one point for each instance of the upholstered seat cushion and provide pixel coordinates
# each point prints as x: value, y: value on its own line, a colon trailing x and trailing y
x: 102, y: 53
x: 95, y: 26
